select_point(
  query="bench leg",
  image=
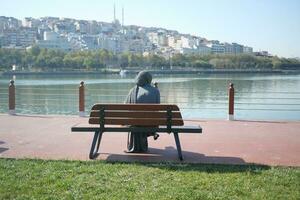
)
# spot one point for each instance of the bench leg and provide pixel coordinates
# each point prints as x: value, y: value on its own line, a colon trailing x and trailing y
x: 97, y: 136
x: 178, y: 146
x: 99, y: 140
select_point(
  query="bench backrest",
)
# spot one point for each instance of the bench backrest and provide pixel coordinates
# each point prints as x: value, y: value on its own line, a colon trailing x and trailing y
x: 136, y: 115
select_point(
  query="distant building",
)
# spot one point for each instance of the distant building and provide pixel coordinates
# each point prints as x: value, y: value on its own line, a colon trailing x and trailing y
x: 72, y: 34
x: 9, y: 23
x: 203, y: 49
x: 23, y: 37
x: 263, y: 54
x: 53, y: 41
x: 1, y: 40
x: 90, y: 41
x: 30, y: 22
x: 162, y: 40
x: 171, y: 41
x: 185, y: 42
x: 237, y: 48
x: 81, y: 26
x: 93, y: 28
x: 217, y: 47
x: 247, y: 50
x: 189, y: 51
x: 228, y: 48
x: 110, y: 43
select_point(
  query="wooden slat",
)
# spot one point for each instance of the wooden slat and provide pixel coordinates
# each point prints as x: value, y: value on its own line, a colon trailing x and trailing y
x: 141, y: 107
x: 136, y: 121
x: 136, y: 114
x: 178, y: 129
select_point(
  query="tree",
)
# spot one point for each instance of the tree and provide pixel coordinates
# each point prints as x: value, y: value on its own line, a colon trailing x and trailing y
x: 201, y: 64
x: 35, y: 50
x: 124, y: 60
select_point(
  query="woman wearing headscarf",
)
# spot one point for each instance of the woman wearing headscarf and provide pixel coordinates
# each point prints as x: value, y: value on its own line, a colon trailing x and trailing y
x: 142, y: 92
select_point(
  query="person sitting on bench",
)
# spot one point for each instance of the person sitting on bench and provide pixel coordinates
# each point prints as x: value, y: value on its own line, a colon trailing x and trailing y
x: 143, y: 92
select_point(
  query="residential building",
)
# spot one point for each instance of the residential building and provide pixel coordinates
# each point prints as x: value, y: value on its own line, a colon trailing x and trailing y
x: 203, y: 49
x: 228, y: 48
x: 217, y: 47
x: 81, y: 26
x: 30, y: 22
x: 90, y: 35
x: 248, y: 50
x: 52, y: 40
x: 22, y: 37
x: 9, y: 23
x: 237, y: 48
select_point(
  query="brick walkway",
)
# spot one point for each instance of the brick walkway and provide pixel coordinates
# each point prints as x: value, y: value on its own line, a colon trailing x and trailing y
x: 230, y: 142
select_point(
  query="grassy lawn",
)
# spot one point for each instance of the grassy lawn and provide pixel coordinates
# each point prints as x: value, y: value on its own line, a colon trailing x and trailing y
x: 39, y: 179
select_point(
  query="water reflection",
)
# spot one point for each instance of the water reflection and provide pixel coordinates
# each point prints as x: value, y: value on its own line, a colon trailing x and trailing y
x: 268, y: 96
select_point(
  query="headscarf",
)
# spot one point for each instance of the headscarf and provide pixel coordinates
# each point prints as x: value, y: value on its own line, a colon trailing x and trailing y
x: 143, y: 78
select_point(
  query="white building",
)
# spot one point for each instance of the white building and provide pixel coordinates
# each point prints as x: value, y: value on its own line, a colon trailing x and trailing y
x: 153, y: 37
x: 90, y: 41
x: 171, y: 41
x: 203, y: 49
x: 23, y: 37
x: 237, y: 48
x: 248, y: 50
x: 184, y: 42
x: 30, y: 22
x: 112, y: 43
x: 228, y: 48
x: 7, y: 23
x: 81, y: 27
x: 217, y: 48
x: 158, y: 38
x: 93, y: 28
x: 53, y: 41
x: 162, y: 40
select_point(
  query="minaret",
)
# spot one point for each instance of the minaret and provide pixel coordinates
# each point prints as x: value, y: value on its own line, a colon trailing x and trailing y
x: 122, y: 16
x: 123, y: 19
x: 114, y: 12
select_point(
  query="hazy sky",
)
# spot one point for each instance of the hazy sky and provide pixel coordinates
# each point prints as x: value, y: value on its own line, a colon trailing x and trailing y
x: 272, y: 25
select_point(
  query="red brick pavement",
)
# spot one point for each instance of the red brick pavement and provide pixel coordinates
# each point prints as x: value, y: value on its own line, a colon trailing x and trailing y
x: 229, y: 142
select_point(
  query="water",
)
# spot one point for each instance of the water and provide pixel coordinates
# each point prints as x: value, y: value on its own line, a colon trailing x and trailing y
x: 257, y: 97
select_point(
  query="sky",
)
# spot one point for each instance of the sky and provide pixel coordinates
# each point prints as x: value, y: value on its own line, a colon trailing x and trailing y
x: 271, y: 25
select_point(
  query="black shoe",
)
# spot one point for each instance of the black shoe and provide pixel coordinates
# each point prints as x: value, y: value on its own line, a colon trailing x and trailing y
x: 155, y: 136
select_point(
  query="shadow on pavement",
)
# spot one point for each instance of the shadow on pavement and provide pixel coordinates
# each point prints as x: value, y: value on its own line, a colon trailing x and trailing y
x: 2, y: 149
x: 168, y: 159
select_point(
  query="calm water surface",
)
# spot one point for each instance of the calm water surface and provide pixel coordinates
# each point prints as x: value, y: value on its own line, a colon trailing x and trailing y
x: 261, y: 97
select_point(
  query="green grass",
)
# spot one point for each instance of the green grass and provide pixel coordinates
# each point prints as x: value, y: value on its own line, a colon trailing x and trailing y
x: 39, y: 179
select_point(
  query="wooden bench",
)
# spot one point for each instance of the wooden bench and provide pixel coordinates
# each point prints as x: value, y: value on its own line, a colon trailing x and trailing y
x: 150, y: 118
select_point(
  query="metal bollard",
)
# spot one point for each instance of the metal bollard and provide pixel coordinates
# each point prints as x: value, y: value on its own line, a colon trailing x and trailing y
x: 81, y: 99
x: 11, y: 98
x: 231, y: 102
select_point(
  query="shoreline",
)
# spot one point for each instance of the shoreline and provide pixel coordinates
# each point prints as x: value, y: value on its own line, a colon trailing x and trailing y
x: 135, y: 71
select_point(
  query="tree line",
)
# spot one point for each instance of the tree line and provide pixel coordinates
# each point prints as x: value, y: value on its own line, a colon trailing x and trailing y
x: 36, y: 58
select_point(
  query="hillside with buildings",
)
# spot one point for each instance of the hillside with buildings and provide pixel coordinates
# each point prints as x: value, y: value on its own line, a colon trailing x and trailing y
x: 77, y: 35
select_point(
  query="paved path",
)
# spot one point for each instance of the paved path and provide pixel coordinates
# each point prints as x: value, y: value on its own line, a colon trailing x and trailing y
x: 230, y: 142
